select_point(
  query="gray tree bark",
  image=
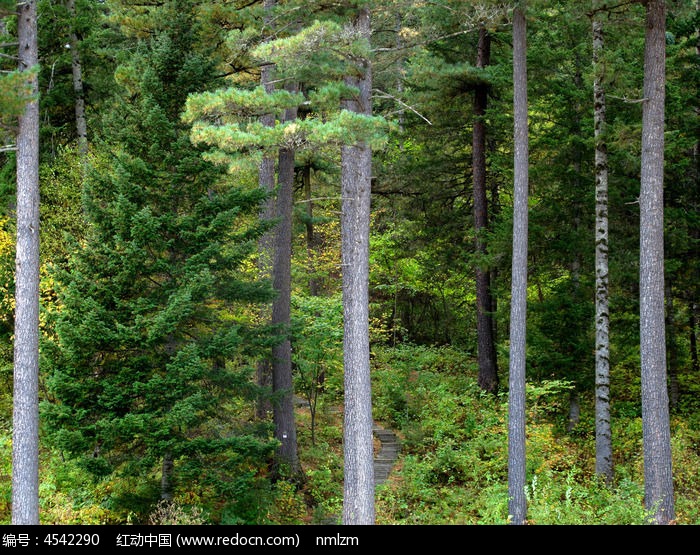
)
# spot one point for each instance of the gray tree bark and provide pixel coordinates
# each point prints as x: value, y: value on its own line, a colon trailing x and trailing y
x: 603, y: 452
x: 356, y: 173
x: 25, y: 433
x: 658, y: 475
x: 266, y: 181
x: 517, y: 502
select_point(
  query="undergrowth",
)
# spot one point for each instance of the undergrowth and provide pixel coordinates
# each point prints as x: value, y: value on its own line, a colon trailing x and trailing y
x: 452, y: 468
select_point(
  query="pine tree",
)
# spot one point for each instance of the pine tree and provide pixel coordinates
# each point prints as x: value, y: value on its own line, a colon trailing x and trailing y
x: 658, y: 475
x: 332, y: 61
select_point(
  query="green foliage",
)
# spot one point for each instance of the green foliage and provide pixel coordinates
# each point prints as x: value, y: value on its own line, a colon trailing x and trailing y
x: 453, y: 466
x: 15, y: 92
x: 317, y: 345
x: 7, y: 305
x: 150, y: 307
x: 323, y: 48
x: 146, y: 364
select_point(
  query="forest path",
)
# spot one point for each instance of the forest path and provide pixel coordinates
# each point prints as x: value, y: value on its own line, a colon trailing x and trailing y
x: 386, y: 455
x: 385, y: 452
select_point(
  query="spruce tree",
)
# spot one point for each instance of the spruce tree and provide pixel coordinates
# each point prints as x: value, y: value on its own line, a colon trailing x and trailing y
x: 154, y: 351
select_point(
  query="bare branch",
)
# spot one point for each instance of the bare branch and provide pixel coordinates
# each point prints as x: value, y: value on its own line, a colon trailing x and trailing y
x: 628, y: 100
x: 391, y: 96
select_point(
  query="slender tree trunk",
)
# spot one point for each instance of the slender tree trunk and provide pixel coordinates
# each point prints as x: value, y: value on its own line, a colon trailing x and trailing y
x: 674, y: 390
x: 311, y: 247
x: 693, y: 305
x: 166, y: 477
x: 266, y: 181
x: 282, y: 383
x: 78, y: 90
x: 25, y: 424
x: 658, y: 475
x: 488, y: 368
x: 603, y: 451
x: 356, y: 173
x: 517, y: 502
x: 693, y: 339
x: 574, y: 410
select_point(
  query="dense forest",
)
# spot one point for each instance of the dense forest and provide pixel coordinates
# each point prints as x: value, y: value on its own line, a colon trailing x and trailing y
x: 237, y: 235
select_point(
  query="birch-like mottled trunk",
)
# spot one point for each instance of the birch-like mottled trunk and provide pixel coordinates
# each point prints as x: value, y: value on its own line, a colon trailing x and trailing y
x: 603, y: 451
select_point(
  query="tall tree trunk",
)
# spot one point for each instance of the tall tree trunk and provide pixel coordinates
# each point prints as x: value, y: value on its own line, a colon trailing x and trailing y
x: 356, y: 173
x: 488, y: 368
x: 517, y: 502
x: 603, y: 451
x: 658, y: 476
x: 78, y: 89
x: 282, y: 383
x: 25, y: 423
x: 266, y: 181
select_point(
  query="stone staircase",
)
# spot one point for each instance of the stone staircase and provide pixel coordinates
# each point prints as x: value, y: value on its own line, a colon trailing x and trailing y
x: 386, y: 457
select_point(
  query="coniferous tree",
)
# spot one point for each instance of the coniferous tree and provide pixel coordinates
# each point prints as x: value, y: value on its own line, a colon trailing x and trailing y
x: 282, y: 381
x: 25, y: 419
x: 486, y: 345
x: 153, y: 349
x: 517, y: 502
x: 325, y: 57
x: 356, y: 183
x: 658, y: 475
x: 266, y: 180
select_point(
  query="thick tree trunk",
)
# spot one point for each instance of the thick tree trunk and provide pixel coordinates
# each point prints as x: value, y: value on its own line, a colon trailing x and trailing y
x: 282, y: 383
x: 603, y: 451
x: 517, y: 502
x: 658, y: 476
x: 25, y: 423
x: 356, y: 173
x: 486, y: 348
